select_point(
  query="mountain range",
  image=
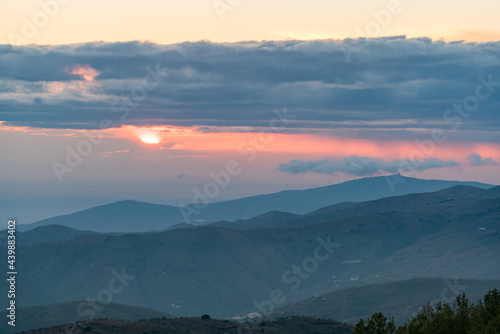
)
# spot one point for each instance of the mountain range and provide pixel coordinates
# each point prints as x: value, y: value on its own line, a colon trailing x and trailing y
x: 133, y: 216
x: 276, y: 259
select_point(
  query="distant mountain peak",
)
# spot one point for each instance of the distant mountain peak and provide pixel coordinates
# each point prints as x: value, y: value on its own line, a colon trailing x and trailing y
x: 135, y: 216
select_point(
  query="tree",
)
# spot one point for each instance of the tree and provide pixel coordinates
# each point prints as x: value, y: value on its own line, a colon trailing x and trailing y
x: 462, y: 318
x: 377, y: 324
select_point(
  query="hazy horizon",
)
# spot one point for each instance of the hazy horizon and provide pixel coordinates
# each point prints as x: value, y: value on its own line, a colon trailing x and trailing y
x: 45, y: 209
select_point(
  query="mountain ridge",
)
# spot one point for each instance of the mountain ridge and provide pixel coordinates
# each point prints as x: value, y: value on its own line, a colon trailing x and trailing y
x: 134, y: 216
x: 224, y: 270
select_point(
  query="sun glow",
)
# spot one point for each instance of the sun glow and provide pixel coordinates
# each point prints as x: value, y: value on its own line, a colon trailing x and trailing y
x: 150, y: 139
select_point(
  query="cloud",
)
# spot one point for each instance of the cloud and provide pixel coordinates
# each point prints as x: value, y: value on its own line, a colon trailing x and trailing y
x: 86, y: 72
x: 393, y: 88
x: 360, y: 166
x: 477, y: 160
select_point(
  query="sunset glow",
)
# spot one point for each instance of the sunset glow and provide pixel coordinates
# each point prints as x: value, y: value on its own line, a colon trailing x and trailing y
x: 298, y: 93
x: 150, y: 140
x: 307, y: 146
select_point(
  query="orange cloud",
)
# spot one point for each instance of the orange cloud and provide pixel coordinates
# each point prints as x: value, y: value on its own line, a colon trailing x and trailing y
x: 86, y: 72
x: 181, y: 138
x: 302, y: 146
x: 108, y: 154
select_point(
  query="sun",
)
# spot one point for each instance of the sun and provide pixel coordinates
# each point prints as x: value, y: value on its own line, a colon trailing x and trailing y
x: 150, y: 140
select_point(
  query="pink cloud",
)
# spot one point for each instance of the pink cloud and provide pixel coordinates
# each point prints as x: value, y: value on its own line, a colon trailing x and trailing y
x: 86, y: 72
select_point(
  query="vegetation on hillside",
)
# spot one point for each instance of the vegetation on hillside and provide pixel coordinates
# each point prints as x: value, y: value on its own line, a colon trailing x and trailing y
x: 399, y: 300
x: 460, y: 318
x: 295, y: 325
x: 57, y: 314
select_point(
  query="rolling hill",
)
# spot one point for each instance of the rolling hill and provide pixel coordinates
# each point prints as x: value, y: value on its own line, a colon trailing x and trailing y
x: 30, y: 318
x: 397, y: 299
x: 225, y: 272
x: 42, y: 234
x: 123, y: 216
x: 132, y: 216
x: 305, y: 201
x: 295, y: 325
x: 448, y: 199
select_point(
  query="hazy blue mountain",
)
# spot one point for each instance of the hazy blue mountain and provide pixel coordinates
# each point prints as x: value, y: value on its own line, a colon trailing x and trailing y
x: 222, y: 271
x: 42, y: 234
x: 122, y: 216
x: 305, y: 201
x: 454, y: 197
x: 132, y: 216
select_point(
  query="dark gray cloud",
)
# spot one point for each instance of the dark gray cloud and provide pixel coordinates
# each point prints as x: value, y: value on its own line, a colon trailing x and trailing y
x: 388, y: 89
x: 477, y: 160
x: 360, y: 166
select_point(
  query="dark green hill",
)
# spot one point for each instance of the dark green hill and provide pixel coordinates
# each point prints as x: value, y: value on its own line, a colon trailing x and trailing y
x: 295, y: 325
x: 57, y: 314
x: 398, y: 299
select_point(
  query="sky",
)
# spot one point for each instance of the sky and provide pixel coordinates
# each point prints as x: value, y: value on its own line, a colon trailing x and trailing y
x: 153, y: 100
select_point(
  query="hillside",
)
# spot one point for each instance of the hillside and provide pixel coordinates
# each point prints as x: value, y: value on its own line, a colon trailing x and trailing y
x: 397, y: 299
x: 266, y: 220
x: 132, y: 216
x: 58, y: 314
x: 304, y: 201
x: 225, y: 272
x: 453, y: 198
x: 123, y: 216
x: 42, y: 234
x: 296, y: 325
x: 459, y: 316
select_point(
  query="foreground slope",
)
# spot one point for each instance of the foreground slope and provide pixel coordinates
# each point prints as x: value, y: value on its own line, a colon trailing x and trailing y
x: 58, y: 314
x: 398, y: 300
x: 295, y: 325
